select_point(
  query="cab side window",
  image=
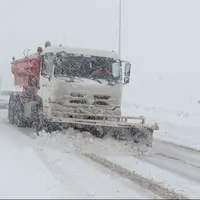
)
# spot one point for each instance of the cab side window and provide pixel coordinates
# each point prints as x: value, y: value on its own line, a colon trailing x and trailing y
x: 47, y: 64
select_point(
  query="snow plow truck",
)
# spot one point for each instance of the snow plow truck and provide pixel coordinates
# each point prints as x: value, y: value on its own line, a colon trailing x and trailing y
x: 76, y: 87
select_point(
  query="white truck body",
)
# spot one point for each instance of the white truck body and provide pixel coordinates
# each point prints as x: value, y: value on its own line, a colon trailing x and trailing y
x: 61, y: 97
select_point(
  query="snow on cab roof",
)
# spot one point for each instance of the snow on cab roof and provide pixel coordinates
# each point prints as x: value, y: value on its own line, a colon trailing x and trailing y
x: 31, y: 56
x: 83, y: 51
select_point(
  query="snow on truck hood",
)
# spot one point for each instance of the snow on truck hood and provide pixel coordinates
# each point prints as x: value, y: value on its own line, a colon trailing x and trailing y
x: 86, y: 81
x: 88, y: 85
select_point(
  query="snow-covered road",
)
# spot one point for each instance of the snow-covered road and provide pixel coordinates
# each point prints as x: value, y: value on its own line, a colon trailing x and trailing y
x: 70, y: 164
x: 29, y: 169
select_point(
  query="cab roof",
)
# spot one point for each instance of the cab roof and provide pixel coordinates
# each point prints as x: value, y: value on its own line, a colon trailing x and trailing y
x: 81, y: 51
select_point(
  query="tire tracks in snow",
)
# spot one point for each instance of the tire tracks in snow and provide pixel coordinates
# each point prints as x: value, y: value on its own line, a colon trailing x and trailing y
x: 180, y: 145
x: 150, y: 185
x: 177, y: 159
x: 98, y: 147
x: 184, y: 155
x: 84, y: 170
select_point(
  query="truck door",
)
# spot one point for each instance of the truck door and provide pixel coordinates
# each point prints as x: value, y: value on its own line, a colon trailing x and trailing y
x: 45, y: 81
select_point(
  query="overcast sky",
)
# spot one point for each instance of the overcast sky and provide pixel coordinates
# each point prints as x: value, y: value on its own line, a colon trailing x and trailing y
x: 161, y: 37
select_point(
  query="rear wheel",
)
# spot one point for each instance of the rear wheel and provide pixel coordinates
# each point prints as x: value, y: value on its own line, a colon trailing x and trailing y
x: 19, y: 114
x: 10, y: 110
x: 39, y: 118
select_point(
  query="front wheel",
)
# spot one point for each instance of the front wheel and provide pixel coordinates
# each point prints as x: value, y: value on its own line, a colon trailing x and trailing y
x: 19, y: 114
x: 39, y: 120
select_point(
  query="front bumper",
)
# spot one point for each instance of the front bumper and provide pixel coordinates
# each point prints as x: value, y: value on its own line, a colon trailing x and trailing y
x: 106, y: 120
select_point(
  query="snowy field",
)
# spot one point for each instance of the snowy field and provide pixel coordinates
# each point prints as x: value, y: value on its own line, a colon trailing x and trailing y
x: 169, y: 101
x: 177, y: 127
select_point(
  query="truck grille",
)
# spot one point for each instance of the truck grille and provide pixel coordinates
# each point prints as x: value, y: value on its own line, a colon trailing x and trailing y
x: 78, y: 101
x: 74, y: 94
x: 85, y: 99
x: 101, y: 97
x: 100, y: 103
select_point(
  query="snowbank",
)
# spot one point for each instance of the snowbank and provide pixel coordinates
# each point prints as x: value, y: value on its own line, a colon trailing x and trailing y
x: 178, y: 127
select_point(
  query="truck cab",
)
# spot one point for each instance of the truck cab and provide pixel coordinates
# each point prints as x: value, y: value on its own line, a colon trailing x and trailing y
x: 67, y: 82
x: 81, y: 81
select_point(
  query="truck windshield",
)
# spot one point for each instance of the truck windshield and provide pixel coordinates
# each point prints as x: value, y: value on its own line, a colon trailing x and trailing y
x: 71, y: 65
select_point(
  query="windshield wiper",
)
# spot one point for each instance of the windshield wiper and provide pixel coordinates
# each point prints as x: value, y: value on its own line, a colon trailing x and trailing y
x: 70, y: 79
x: 110, y: 81
x: 94, y: 79
x: 97, y: 80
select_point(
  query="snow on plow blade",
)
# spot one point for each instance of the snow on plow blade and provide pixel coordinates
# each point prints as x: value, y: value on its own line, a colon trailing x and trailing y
x: 116, y: 126
x: 120, y: 121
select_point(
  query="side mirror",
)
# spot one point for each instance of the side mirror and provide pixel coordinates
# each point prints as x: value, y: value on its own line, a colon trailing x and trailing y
x: 126, y: 80
x: 45, y: 75
x: 127, y: 70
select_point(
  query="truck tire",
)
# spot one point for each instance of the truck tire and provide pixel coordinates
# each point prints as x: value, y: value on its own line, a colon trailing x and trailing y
x: 51, y: 127
x: 39, y: 115
x: 10, y: 110
x: 19, y: 114
x: 39, y: 121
